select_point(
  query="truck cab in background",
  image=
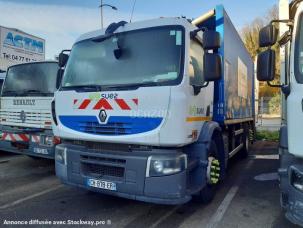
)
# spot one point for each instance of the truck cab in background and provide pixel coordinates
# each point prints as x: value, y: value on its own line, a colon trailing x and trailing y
x: 25, y: 112
x: 290, y: 23
x: 153, y: 110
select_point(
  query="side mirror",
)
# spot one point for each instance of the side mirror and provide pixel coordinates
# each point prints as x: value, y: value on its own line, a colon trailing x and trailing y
x: 63, y: 59
x: 266, y: 65
x: 212, y: 65
x: 59, y: 77
x: 211, y: 40
x: 268, y: 36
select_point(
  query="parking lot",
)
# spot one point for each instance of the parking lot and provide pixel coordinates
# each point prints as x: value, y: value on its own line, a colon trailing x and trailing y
x: 249, y: 197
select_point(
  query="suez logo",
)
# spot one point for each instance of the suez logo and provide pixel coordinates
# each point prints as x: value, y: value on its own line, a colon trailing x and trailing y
x: 24, y: 42
x: 29, y: 102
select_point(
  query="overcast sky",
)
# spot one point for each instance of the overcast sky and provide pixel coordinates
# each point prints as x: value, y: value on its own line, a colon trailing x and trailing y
x: 60, y: 22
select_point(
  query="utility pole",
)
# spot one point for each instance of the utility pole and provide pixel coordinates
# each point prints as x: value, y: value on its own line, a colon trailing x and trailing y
x: 101, y: 14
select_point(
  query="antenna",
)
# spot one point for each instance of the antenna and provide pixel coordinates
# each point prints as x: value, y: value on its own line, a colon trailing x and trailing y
x: 133, y: 9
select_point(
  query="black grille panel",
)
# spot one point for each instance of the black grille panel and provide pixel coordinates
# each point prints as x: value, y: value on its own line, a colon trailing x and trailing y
x: 102, y: 159
x: 97, y: 170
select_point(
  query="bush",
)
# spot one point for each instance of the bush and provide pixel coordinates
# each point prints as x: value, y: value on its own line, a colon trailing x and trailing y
x: 268, y: 135
x: 275, y: 104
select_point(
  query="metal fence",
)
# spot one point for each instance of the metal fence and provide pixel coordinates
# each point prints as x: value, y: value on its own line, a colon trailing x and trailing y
x: 268, y: 113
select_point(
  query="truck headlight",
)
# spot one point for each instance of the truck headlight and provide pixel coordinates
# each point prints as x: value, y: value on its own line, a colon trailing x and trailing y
x: 165, y: 165
x: 60, y: 155
x: 296, y: 179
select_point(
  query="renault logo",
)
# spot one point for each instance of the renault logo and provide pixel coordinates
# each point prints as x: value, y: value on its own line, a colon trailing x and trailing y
x: 22, y: 116
x: 102, y: 116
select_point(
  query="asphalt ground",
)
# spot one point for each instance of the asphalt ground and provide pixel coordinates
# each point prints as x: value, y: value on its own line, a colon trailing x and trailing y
x: 249, y: 197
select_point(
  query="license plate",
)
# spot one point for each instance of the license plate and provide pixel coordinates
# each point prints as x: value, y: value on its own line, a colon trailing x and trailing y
x: 102, y: 184
x: 40, y: 150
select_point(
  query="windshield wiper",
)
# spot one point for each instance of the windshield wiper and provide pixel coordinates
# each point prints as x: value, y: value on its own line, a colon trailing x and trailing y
x: 35, y: 91
x: 9, y: 92
x: 130, y: 86
x: 83, y: 88
x: 95, y: 88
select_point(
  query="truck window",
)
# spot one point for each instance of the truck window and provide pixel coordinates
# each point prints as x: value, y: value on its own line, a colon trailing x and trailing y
x: 31, y: 79
x: 196, y: 63
x: 1, y: 83
x: 146, y: 56
x: 299, y: 51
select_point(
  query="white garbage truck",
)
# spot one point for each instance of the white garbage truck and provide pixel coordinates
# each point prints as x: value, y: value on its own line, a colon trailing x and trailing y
x: 290, y: 41
x: 25, y: 109
x: 153, y: 110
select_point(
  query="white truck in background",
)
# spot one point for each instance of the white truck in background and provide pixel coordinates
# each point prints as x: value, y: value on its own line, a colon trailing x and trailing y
x: 25, y: 109
x: 153, y: 110
x: 291, y: 144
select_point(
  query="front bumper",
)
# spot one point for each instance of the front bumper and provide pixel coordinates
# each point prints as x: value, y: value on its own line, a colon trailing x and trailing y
x: 126, y: 169
x: 291, y: 198
x: 28, y: 148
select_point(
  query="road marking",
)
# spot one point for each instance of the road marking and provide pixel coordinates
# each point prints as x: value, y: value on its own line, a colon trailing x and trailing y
x: 269, y: 157
x: 165, y: 217
x: 267, y: 177
x: 5, y: 206
x: 8, y: 159
x: 4, y: 161
x: 217, y: 217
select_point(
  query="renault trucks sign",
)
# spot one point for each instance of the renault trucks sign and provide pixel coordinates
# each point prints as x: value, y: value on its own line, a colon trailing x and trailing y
x: 19, y: 47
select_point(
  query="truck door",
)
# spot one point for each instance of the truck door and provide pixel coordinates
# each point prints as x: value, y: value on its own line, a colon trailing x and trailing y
x: 295, y: 99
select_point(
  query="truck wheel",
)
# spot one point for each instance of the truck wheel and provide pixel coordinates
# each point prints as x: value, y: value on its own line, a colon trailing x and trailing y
x: 245, y: 149
x: 207, y: 194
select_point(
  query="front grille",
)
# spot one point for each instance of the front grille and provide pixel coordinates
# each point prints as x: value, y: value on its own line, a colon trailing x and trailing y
x: 108, y: 129
x: 30, y: 117
x: 115, y: 147
x: 102, y: 159
x: 96, y: 170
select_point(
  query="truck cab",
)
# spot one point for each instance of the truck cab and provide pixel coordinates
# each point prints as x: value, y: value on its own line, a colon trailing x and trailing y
x: 25, y: 112
x: 136, y: 109
x: 287, y: 32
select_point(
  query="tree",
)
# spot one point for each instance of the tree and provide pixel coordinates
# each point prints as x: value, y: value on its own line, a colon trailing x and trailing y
x: 250, y: 37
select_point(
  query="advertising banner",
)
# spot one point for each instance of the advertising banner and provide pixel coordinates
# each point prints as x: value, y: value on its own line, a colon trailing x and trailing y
x: 18, y: 47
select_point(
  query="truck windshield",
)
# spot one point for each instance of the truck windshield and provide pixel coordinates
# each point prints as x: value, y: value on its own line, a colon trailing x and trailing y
x: 143, y: 57
x: 299, y: 51
x: 32, y: 79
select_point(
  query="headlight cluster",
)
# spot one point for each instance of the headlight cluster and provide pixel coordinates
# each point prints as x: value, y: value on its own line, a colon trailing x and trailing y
x: 296, y: 179
x: 60, y: 155
x: 165, y: 165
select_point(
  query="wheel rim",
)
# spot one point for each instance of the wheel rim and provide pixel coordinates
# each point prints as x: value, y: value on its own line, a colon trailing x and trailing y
x: 213, y: 170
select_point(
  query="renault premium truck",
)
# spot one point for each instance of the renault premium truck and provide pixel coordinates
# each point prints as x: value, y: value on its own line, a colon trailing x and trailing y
x: 153, y: 110
x: 25, y: 109
x: 290, y: 41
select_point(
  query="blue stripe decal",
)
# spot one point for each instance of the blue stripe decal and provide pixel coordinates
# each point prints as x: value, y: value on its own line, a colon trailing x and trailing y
x: 116, y: 125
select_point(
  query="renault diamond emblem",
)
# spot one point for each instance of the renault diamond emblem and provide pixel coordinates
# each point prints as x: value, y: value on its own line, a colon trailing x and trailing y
x: 22, y: 116
x: 103, y: 116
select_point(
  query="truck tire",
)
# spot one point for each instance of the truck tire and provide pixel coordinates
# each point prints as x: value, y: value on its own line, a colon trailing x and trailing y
x: 207, y: 194
x: 245, y: 140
